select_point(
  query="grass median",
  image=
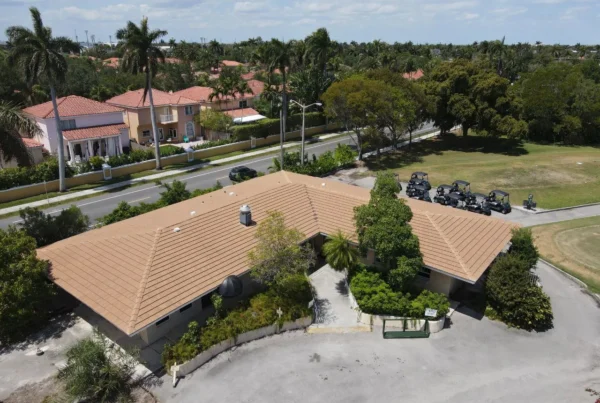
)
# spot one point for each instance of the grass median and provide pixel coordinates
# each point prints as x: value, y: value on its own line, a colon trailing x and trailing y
x: 557, y: 176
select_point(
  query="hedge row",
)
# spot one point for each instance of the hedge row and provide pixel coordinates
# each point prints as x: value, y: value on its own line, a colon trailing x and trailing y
x: 268, y: 127
x: 21, y: 176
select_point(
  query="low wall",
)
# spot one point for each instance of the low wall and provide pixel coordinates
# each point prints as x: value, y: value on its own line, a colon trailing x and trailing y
x: 23, y: 192
x: 435, y: 326
x: 207, y: 355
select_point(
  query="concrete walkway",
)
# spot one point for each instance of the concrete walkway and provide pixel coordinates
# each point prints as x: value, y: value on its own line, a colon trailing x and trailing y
x: 332, y: 305
x: 151, y: 178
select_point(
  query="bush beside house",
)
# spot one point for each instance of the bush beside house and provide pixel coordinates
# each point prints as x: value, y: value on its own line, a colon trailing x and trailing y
x: 21, y: 176
x: 268, y: 127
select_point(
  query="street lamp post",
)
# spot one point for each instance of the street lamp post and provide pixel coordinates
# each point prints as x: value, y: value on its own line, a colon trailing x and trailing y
x: 304, y: 107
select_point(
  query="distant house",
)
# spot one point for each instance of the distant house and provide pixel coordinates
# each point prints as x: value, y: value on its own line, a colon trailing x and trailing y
x: 35, y: 150
x: 174, y: 115
x: 89, y: 128
x: 113, y: 62
x: 244, y: 115
x: 414, y: 75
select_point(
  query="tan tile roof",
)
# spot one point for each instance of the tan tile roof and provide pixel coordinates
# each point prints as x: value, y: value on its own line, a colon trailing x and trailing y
x: 31, y: 143
x: 231, y: 63
x: 94, y: 132
x: 136, y: 271
x: 134, y: 99
x: 71, y: 105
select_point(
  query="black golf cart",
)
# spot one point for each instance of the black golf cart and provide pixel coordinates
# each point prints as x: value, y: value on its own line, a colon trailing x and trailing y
x: 419, y: 192
x: 499, y: 200
x: 419, y: 178
x: 442, y: 193
x: 463, y: 188
x: 456, y: 200
x: 476, y: 203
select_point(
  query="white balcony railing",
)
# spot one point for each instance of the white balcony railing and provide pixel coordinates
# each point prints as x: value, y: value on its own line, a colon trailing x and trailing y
x: 166, y: 118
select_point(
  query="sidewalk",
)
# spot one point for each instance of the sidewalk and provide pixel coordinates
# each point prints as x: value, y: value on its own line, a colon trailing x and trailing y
x: 150, y: 178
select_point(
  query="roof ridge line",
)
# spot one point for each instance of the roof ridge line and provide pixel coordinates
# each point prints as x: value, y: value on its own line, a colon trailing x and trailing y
x: 143, y: 283
x: 443, y: 235
x: 312, y: 207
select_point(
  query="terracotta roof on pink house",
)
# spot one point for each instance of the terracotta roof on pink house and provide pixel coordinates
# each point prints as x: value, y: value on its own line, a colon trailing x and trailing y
x: 135, y: 99
x: 414, y: 75
x: 238, y: 113
x: 139, y: 270
x: 94, y: 132
x: 72, y: 105
x: 197, y: 93
x: 31, y: 143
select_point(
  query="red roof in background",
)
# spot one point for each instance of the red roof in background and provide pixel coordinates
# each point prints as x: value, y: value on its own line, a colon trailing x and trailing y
x: 172, y: 60
x: 94, y: 132
x: 415, y: 75
x: 202, y: 94
x: 256, y: 86
x: 31, y: 143
x: 231, y: 63
x: 239, y: 113
x: 72, y: 105
x: 248, y: 76
x: 112, y: 62
x: 134, y: 99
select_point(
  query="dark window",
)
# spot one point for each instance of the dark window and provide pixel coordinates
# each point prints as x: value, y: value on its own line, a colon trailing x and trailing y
x: 424, y: 272
x: 163, y: 320
x: 205, y: 301
x: 185, y: 308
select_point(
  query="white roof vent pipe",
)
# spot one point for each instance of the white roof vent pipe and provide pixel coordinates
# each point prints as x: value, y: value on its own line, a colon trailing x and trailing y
x: 245, y: 215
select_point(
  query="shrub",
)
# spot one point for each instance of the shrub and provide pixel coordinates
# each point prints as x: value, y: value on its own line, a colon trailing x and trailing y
x: 47, y: 229
x: 375, y: 296
x: 386, y: 185
x: 522, y: 245
x: 96, y: 163
x: 402, y: 277
x: 174, y: 193
x: 212, y: 143
x: 515, y: 298
x: 168, y: 150
x: 21, y: 176
x: 428, y: 299
x: 269, y: 127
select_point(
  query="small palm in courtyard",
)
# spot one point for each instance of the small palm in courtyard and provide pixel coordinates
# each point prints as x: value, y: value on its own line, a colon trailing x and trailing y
x: 339, y: 253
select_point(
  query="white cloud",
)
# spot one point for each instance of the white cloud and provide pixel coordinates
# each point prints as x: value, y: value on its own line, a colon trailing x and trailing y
x: 468, y: 16
x: 508, y: 11
x: 249, y: 6
x: 367, y: 8
x: 451, y: 5
x: 109, y: 13
x: 305, y: 21
x: 572, y: 12
x: 312, y: 7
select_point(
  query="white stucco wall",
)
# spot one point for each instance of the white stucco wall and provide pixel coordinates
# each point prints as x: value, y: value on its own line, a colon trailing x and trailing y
x: 442, y: 283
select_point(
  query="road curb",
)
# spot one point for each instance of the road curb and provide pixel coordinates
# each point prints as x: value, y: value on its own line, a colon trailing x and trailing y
x: 584, y: 287
x: 566, y: 208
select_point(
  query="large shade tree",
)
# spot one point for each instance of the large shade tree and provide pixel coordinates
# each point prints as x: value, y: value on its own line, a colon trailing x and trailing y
x: 39, y: 55
x: 141, y: 55
x: 13, y: 126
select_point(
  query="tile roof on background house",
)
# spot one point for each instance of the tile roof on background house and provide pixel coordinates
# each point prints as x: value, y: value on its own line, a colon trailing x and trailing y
x: 238, y: 113
x: 112, y: 62
x: 172, y: 60
x: 135, y: 99
x: 139, y: 270
x: 414, y: 75
x: 71, y: 105
x: 248, y: 76
x: 31, y: 143
x: 231, y: 63
x: 94, y: 132
x: 197, y: 93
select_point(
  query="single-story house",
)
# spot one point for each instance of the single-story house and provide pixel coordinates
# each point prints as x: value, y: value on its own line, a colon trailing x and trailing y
x: 89, y: 128
x: 244, y: 115
x: 149, y: 273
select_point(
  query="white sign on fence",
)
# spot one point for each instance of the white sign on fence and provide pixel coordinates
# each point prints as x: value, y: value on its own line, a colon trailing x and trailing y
x: 432, y: 313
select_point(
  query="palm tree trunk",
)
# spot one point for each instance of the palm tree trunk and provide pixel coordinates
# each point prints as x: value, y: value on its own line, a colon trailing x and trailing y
x: 153, y: 117
x: 62, y: 185
x: 284, y: 103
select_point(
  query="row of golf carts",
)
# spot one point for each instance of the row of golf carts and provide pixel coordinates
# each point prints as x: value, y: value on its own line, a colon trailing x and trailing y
x: 458, y: 195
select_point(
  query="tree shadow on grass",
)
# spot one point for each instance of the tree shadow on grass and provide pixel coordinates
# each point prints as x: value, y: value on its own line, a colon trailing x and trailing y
x: 449, y: 142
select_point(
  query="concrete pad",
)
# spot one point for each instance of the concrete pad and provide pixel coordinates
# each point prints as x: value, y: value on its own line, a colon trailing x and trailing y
x: 332, y: 303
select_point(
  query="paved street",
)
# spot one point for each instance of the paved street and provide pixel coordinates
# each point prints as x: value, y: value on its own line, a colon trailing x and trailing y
x: 475, y: 360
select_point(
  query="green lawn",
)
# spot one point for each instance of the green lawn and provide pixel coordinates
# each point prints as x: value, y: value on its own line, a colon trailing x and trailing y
x: 558, y: 176
x: 573, y: 246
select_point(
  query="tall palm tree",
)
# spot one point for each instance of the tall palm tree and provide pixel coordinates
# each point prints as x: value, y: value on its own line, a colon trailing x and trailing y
x: 318, y: 45
x: 141, y: 55
x: 340, y: 255
x: 279, y: 56
x: 13, y: 126
x: 39, y: 55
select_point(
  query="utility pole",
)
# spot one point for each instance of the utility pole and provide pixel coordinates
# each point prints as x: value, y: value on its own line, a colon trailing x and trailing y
x: 304, y: 107
x: 281, y: 138
x: 110, y: 40
x: 87, y: 40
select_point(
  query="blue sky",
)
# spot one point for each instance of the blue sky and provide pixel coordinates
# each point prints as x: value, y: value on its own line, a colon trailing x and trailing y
x: 462, y: 21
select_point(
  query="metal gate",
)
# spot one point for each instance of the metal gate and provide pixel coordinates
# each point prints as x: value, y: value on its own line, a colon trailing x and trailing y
x: 401, y: 331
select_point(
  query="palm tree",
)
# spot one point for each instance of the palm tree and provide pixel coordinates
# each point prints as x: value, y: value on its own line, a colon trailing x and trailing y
x: 141, y: 55
x: 318, y: 45
x: 279, y: 56
x: 340, y: 255
x: 39, y: 55
x: 13, y: 126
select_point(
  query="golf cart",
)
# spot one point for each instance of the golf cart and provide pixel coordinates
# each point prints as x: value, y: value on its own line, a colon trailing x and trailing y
x: 419, y: 178
x: 419, y: 192
x: 456, y: 200
x: 442, y: 193
x: 463, y: 188
x: 529, y: 204
x: 476, y: 203
x: 499, y: 201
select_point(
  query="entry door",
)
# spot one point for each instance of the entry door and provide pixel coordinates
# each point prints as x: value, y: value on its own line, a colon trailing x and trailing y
x: 172, y: 133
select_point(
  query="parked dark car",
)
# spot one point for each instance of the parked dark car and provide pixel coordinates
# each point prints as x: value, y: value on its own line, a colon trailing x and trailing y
x: 241, y: 173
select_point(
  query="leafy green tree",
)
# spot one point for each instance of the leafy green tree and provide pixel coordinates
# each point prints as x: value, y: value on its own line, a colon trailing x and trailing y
x: 515, y: 298
x: 278, y: 55
x: 318, y: 47
x: 24, y: 288
x: 386, y: 186
x: 278, y: 252
x: 141, y: 55
x: 214, y: 120
x: 339, y: 252
x: 47, y: 229
x: 401, y: 277
x: 522, y: 245
x: 174, y: 193
x: 39, y: 56
x: 14, y: 125
x: 98, y: 370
